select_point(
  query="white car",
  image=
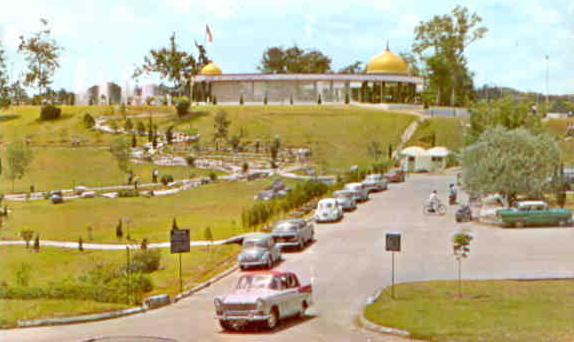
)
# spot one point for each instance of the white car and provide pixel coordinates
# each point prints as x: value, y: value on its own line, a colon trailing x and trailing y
x: 360, y: 189
x: 328, y: 210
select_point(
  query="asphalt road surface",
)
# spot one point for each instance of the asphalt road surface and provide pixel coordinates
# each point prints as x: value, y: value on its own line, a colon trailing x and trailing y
x: 347, y: 264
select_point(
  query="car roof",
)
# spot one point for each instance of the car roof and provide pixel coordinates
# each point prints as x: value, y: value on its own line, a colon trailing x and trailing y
x: 273, y: 273
x: 524, y: 203
x: 353, y: 184
x: 328, y: 200
x: 257, y: 236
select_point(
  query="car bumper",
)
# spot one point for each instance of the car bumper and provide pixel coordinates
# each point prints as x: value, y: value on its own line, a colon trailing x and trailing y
x: 326, y: 219
x: 253, y: 263
x: 239, y: 318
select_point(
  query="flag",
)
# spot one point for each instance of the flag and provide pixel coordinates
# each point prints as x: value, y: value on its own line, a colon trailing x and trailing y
x: 208, y: 34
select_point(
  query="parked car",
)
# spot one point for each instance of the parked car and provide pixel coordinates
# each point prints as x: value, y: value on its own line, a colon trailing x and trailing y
x: 56, y: 199
x: 259, y: 250
x: 346, y: 199
x: 358, y: 187
x: 328, y: 211
x: 395, y: 176
x: 534, y: 213
x: 293, y: 233
x: 276, y: 190
x: 265, y: 298
x: 375, y: 183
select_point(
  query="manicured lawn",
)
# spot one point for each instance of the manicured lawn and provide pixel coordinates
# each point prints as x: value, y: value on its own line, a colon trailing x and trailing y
x: 338, y: 135
x: 448, y: 132
x: 62, y: 168
x: 12, y: 310
x: 217, y: 205
x: 488, y: 311
x: 54, y: 264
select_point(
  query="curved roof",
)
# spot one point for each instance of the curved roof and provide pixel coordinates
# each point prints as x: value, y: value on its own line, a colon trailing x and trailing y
x: 438, y: 151
x: 413, y: 151
x: 387, y: 63
x: 210, y: 69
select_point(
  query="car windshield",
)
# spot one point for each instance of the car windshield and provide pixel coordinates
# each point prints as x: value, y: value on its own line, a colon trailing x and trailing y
x: 343, y: 194
x: 373, y: 178
x: 254, y: 282
x: 326, y: 205
x: 254, y: 243
x: 353, y: 186
x: 285, y: 226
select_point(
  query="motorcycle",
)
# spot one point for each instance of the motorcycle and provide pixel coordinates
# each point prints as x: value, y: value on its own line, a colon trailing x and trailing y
x: 463, y: 214
x: 428, y: 208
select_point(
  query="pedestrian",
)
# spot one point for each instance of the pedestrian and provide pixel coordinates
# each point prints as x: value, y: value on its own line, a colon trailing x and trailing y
x: 136, y: 182
x: 130, y: 177
x: 154, y: 175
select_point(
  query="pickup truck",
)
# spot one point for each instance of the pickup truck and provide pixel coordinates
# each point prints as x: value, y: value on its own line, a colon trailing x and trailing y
x: 534, y: 213
x: 265, y: 298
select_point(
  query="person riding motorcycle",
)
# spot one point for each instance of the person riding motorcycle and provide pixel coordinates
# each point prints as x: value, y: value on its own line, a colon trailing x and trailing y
x: 433, y: 200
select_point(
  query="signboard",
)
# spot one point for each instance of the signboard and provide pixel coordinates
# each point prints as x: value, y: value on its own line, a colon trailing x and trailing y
x: 179, y: 241
x: 393, y: 242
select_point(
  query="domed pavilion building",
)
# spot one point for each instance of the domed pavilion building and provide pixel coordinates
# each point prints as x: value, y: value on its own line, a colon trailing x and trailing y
x: 386, y: 79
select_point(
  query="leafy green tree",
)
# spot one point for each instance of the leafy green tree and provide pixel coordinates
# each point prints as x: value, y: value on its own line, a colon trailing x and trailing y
x: 354, y: 68
x: 120, y: 149
x: 510, y: 162
x: 173, y: 64
x: 19, y: 157
x: 140, y: 127
x: 36, y: 246
x: 41, y: 53
x: 221, y: 126
x: 4, y: 82
x: 448, y: 36
x: 277, y: 60
x: 461, y: 249
x: 27, y: 236
x: 274, y: 150
x: 128, y: 125
x: 80, y: 244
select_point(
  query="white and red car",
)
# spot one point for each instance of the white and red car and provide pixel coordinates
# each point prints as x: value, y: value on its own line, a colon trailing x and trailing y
x: 263, y: 297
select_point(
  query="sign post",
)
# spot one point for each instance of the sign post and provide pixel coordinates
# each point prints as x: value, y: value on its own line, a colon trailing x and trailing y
x: 179, y: 243
x: 393, y: 244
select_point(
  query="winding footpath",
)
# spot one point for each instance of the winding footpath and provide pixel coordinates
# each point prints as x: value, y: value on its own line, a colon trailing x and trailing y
x: 347, y: 264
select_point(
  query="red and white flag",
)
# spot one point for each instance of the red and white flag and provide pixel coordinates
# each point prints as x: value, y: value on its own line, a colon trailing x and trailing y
x: 208, y: 34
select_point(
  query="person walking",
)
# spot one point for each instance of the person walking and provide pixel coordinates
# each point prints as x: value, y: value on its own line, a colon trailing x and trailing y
x: 154, y: 175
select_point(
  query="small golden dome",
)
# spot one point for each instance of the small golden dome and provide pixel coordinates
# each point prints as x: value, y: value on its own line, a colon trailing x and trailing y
x: 210, y: 69
x: 387, y: 63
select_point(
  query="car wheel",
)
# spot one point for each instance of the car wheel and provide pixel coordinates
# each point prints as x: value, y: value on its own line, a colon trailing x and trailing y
x: 273, y: 319
x: 241, y: 267
x: 225, y: 325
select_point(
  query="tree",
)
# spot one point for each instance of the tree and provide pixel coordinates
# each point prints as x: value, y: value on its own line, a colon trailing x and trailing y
x: 461, y: 249
x: 413, y: 63
x: 18, y: 156
x: 274, y: 150
x: 374, y: 149
x: 169, y: 135
x: 27, y: 236
x: 140, y: 127
x: 510, y: 162
x: 120, y: 149
x: 208, y: 236
x: 80, y: 244
x: 505, y: 112
x: 221, y: 126
x: 128, y: 125
x: 354, y: 68
x: 119, y: 230
x: 143, y: 245
x: 235, y: 142
x: 36, y: 246
x: 245, y: 167
x: 172, y: 64
x: 4, y: 82
x: 276, y: 60
x: 41, y: 53
x: 448, y: 36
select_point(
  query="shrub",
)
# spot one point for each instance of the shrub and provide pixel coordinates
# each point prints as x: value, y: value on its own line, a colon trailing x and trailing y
x: 190, y: 160
x: 146, y: 260
x: 166, y: 179
x: 89, y: 121
x: 50, y: 112
x: 212, y: 176
x: 241, y: 101
x: 182, y: 105
x: 128, y: 193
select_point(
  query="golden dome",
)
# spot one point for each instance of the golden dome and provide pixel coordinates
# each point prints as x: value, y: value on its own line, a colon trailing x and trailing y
x: 387, y: 63
x: 210, y: 69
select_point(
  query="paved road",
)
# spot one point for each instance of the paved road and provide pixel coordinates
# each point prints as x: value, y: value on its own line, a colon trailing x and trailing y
x: 348, y: 264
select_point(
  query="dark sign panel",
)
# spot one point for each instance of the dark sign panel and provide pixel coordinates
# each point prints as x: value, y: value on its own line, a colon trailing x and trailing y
x: 393, y: 242
x: 179, y: 240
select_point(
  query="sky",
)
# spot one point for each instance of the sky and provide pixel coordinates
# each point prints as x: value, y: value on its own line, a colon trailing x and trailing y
x: 104, y: 40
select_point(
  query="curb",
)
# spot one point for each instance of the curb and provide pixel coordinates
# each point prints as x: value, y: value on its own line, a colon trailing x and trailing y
x: 206, y: 284
x: 79, y: 319
x: 368, y: 325
x: 120, y: 313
